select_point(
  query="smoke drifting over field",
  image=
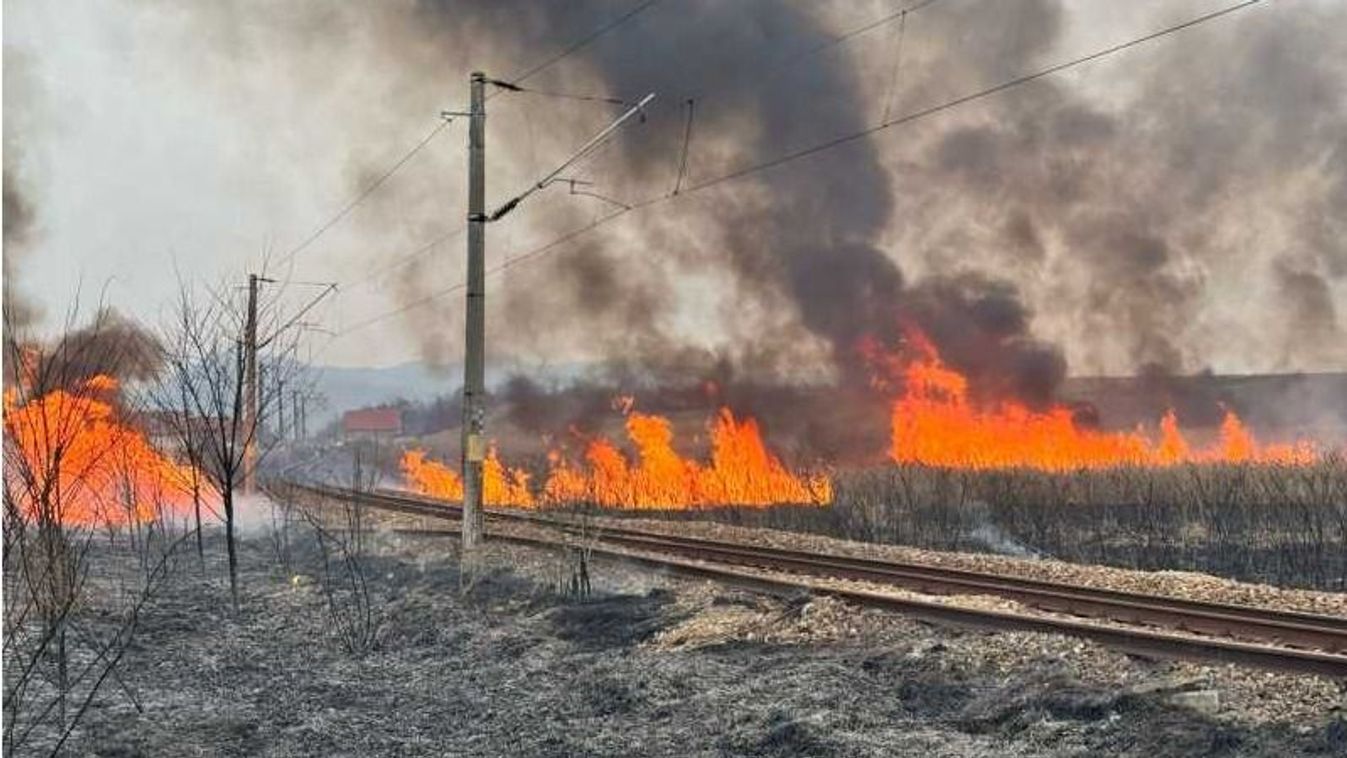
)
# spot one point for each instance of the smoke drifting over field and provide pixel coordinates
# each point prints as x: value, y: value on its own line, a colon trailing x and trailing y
x: 18, y: 232
x: 1135, y: 215
x: 1180, y: 205
x: 1102, y: 217
x: 806, y: 241
x: 20, y: 215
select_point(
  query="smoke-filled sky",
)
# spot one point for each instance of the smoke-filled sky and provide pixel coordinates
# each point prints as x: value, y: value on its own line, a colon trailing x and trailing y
x: 1181, y: 205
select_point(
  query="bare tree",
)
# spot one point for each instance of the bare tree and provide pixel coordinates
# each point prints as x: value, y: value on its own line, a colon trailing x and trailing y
x: 340, y: 533
x: 73, y: 466
x: 188, y: 444
x: 215, y: 348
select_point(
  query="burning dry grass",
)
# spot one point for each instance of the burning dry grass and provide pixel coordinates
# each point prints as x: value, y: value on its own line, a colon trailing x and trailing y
x: 741, y: 471
x: 979, y: 474
x: 935, y: 422
x: 1236, y: 508
x: 1258, y: 522
x: 72, y: 451
x: 76, y: 472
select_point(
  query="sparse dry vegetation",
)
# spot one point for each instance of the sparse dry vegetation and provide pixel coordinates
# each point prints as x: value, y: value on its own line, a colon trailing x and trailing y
x: 1266, y: 523
x: 69, y: 617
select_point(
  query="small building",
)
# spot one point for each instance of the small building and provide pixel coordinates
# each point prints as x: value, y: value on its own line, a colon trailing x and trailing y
x: 371, y: 424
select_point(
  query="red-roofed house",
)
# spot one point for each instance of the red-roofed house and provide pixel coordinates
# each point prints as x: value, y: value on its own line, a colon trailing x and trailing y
x: 371, y: 423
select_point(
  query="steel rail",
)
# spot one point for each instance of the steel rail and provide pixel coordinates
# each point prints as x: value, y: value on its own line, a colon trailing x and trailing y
x: 1293, y: 628
x: 1268, y: 638
x: 1315, y: 632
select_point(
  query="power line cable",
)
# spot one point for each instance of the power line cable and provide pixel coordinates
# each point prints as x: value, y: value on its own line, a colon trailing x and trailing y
x: 845, y: 139
x: 897, y: 67
x: 978, y: 95
x: 583, y: 42
x: 364, y: 193
x: 374, y: 274
x: 687, y: 140
x: 444, y: 122
x: 511, y: 87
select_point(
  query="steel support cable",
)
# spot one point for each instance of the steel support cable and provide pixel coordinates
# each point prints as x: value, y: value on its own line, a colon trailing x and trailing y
x: 512, y: 87
x: 512, y: 261
x: 444, y: 122
x: 843, y: 140
x: 790, y: 59
x: 514, y: 84
x: 583, y: 42
x: 897, y: 67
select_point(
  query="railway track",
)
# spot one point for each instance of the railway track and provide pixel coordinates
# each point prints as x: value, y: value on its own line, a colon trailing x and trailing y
x: 1143, y: 624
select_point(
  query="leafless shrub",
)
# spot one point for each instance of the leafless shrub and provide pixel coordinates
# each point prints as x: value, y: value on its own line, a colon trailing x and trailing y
x: 574, y: 554
x: 70, y: 611
x: 205, y: 390
x: 349, y: 602
x: 340, y: 532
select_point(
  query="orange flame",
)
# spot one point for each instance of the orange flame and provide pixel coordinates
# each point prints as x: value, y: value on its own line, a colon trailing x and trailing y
x: 81, y: 464
x: 431, y: 477
x: 741, y: 472
x: 500, y: 485
x: 935, y: 424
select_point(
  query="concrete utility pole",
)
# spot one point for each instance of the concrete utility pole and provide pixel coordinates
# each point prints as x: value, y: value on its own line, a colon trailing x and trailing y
x: 250, y: 387
x: 297, y: 409
x: 474, y: 376
x: 280, y: 410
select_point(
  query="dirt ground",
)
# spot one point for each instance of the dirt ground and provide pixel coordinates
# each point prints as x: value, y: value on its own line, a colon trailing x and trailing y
x: 647, y: 665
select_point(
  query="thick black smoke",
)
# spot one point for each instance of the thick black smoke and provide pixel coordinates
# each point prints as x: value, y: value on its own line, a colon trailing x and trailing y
x: 806, y: 237
x: 106, y: 345
x: 20, y: 210
x: 1185, y: 202
x: 19, y: 223
x: 110, y: 344
x: 1179, y: 203
x: 1113, y: 218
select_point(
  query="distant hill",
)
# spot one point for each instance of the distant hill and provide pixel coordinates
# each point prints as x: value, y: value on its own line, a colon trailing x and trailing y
x: 346, y: 388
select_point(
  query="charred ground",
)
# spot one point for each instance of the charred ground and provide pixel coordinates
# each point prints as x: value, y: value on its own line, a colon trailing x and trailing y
x: 511, y: 667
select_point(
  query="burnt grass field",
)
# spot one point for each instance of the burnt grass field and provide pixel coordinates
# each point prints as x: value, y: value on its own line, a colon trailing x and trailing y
x: 507, y: 666
x: 1272, y: 524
